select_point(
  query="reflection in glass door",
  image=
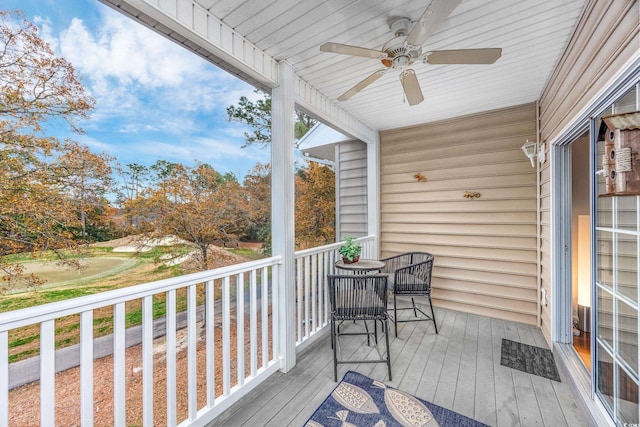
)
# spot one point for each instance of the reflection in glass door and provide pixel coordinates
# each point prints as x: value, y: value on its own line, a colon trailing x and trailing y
x: 617, y: 264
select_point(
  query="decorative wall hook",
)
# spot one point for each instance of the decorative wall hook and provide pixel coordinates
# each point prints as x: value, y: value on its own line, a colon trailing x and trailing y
x: 471, y: 195
x: 419, y: 177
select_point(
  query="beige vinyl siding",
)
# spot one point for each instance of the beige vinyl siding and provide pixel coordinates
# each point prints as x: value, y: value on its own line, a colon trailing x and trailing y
x: 485, y: 249
x: 606, y: 37
x: 351, y: 181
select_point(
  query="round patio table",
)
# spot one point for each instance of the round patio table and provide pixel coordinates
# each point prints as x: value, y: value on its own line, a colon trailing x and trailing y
x: 363, y: 266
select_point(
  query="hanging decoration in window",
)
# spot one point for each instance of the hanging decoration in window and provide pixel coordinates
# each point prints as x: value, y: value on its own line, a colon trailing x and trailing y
x: 620, y: 162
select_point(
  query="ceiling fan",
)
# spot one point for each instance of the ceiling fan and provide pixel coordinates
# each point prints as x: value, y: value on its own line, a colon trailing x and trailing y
x: 405, y: 49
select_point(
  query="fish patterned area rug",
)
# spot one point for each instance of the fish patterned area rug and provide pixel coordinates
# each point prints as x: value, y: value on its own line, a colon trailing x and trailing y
x: 359, y: 401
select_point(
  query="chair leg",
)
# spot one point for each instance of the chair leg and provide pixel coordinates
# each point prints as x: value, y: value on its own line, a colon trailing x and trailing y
x: 332, y: 331
x: 415, y: 312
x: 386, y: 336
x: 335, y: 351
x: 366, y: 328
x: 395, y: 314
x: 433, y: 316
x: 375, y: 331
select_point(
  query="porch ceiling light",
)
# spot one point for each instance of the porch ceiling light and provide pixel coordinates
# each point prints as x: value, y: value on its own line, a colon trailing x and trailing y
x: 530, y: 150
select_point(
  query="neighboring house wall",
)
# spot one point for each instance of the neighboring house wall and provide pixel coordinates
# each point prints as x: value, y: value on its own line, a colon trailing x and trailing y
x: 351, y: 186
x: 606, y: 37
x: 485, y: 249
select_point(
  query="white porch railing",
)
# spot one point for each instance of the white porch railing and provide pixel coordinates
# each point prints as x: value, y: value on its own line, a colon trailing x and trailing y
x: 237, y: 331
x: 312, y: 296
x: 243, y: 291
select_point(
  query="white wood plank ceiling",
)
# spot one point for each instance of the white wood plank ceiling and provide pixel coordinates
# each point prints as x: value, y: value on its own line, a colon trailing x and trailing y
x: 531, y: 33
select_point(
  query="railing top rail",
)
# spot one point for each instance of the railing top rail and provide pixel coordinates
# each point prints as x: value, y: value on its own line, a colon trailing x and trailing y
x: 320, y: 249
x: 27, y: 316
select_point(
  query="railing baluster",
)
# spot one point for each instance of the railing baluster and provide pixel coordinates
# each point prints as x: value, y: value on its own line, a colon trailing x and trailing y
x: 299, y: 298
x: 226, y: 337
x: 4, y: 379
x: 306, y: 296
x: 192, y: 343
x: 48, y: 373
x: 86, y: 368
x: 147, y: 360
x: 314, y: 292
x: 325, y: 287
x: 240, y: 327
x: 319, y: 293
x: 172, y: 404
x: 119, y: 374
x: 264, y: 282
x: 275, y: 290
x: 253, y: 323
x: 210, y: 342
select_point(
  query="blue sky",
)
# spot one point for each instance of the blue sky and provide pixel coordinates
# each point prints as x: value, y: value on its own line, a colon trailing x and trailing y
x: 154, y: 99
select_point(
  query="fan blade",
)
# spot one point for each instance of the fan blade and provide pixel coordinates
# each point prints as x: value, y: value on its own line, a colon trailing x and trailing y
x: 436, y: 13
x: 346, y: 49
x: 464, y: 56
x: 364, y: 83
x: 411, y: 87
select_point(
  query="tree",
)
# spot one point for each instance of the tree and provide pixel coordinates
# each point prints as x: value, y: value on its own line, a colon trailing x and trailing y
x: 36, y: 87
x: 87, y: 178
x: 200, y: 206
x: 134, y: 182
x: 315, y: 206
x: 133, y: 177
x: 258, y: 116
x: 257, y: 189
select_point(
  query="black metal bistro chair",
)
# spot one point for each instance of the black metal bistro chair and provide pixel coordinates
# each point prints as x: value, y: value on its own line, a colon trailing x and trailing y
x: 358, y: 297
x: 410, y: 275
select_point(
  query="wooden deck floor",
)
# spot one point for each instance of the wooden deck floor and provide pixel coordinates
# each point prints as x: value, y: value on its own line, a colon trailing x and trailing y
x: 458, y: 369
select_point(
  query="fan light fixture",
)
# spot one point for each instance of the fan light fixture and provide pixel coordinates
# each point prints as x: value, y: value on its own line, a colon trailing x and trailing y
x: 405, y: 50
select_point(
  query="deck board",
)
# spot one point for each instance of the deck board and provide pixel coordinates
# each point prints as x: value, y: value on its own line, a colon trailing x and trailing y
x: 459, y: 368
x: 431, y: 373
x: 446, y: 389
x: 464, y: 399
x: 506, y: 404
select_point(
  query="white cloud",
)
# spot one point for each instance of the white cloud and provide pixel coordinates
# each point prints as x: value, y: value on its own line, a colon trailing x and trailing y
x: 125, y: 65
x: 126, y: 51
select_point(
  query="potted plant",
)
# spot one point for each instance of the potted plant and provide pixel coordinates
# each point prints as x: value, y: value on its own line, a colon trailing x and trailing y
x: 350, y: 251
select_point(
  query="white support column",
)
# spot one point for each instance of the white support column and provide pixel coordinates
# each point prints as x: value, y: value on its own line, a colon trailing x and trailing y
x: 282, y: 208
x: 373, y: 192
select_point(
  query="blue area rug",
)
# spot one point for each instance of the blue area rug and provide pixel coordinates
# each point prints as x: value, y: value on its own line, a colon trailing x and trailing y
x: 359, y: 401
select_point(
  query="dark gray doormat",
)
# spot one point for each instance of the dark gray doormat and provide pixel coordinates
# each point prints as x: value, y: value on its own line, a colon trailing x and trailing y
x: 530, y: 359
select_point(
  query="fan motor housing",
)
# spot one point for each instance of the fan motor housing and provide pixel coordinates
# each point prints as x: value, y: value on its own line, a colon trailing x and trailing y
x: 398, y: 56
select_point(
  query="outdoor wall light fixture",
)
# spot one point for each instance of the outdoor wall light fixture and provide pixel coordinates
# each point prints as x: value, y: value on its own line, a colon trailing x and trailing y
x: 529, y: 149
x: 532, y: 151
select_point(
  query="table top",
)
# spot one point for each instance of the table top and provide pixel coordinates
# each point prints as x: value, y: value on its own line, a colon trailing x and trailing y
x: 361, y: 265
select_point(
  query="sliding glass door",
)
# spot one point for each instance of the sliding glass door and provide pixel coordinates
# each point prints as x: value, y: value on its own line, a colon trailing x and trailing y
x: 617, y: 245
